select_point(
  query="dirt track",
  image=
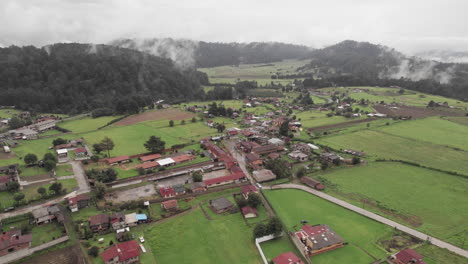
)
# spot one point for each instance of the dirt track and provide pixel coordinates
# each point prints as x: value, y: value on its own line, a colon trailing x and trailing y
x: 414, y: 112
x: 168, y: 114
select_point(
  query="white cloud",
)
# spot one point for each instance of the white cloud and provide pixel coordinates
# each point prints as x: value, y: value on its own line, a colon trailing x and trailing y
x: 405, y: 25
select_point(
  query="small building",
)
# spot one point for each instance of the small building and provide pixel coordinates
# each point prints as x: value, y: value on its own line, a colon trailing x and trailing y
x: 276, y: 141
x: 221, y: 205
x: 407, y: 256
x: 24, y: 133
x: 167, y: 192
x: 274, y: 156
x: 232, y: 178
x: 183, y: 158
x: 4, y: 180
x: 12, y: 241
x: 62, y: 153
x: 249, y: 212
x: 318, y: 239
x: 198, y: 187
x: 42, y: 215
x: 329, y: 156
x: 246, y: 190
x: 63, y: 146
x: 122, y: 253
x: 131, y: 219
x: 151, y: 157
x: 118, y: 160
x: 287, y: 258
x: 99, y: 222
x: 354, y: 152
x: 312, y: 146
x: 117, y: 221
x: 81, y: 152
x: 266, y: 149
x: 264, y: 175
x: 166, y: 162
x: 179, y: 189
x: 297, y: 155
x: 141, y: 218
x: 312, y: 183
x: 78, y: 202
x: 170, y: 205
x: 252, y: 158
x: 6, y: 149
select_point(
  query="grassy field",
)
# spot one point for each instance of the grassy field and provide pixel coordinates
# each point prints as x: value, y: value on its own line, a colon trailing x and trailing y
x: 436, y: 255
x: 276, y: 247
x: 31, y: 171
x: 86, y: 124
x: 292, y: 206
x: 311, y: 119
x: 194, y: 239
x: 388, y: 146
x: 427, y: 197
x: 50, y: 133
x: 8, y: 113
x: 64, y: 170
x: 45, y: 233
x: 434, y: 129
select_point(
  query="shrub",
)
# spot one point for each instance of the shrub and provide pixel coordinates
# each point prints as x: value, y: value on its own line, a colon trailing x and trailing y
x: 94, y: 251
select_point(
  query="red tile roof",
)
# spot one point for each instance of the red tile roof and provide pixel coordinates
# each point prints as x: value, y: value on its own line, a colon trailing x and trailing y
x: 287, y: 258
x: 150, y: 157
x: 4, y: 179
x: 167, y: 191
x: 76, y: 199
x: 117, y: 159
x: 170, y: 204
x: 80, y: 150
x: 98, y: 219
x: 124, y: 251
x: 249, y: 188
x: 249, y: 210
x: 148, y: 165
x: 62, y: 146
x: 408, y: 255
x: 13, y: 238
x: 231, y: 177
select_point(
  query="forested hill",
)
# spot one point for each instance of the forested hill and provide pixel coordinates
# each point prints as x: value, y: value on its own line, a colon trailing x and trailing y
x: 189, y: 53
x: 73, y: 78
x: 360, y: 63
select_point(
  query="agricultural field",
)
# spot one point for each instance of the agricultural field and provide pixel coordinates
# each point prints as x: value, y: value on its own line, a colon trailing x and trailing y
x: 8, y: 113
x: 417, y: 197
x: 311, y: 119
x: 86, y: 124
x: 382, y: 145
x: 278, y: 246
x: 433, y: 129
x: 257, y: 72
x: 362, y: 233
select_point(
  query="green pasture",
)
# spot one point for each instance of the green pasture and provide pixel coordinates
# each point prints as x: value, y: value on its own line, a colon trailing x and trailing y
x: 87, y: 123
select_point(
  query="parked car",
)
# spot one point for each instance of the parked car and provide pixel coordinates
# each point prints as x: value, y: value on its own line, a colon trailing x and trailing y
x: 142, y: 239
x: 9, y: 209
x: 259, y: 186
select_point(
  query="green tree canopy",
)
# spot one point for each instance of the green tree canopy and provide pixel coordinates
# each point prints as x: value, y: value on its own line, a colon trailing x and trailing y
x: 155, y: 144
x: 30, y: 159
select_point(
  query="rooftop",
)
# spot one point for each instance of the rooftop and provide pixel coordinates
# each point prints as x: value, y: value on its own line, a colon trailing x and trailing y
x: 124, y: 251
x: 221, y: 203
x: 150, y: 157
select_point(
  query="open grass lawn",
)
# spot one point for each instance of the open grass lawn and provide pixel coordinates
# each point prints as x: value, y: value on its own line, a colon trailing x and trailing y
x: 86, y: 124
x: 194, y: 239
x: 292, y: 206
x: 463, y: 120
x: 123, y: 174
x: 45, y: 233
x: 85, y: 213
x: 433, y: 199
x: 433, y: 129
x: 387, y: 146
x: 8, y: 112
x: 64, y: 170
x: 50, y: 133
x: 311, y: 119
x: 436, y: 255
x: 32, y: 171
x: 278, y: 246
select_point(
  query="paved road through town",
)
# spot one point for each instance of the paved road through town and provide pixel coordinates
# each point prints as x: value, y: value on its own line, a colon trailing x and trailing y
x: 378, y: 218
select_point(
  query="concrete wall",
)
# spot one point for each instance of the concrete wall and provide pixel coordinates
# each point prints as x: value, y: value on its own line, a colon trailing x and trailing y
x: 29, y: 251
x: 261, y: 240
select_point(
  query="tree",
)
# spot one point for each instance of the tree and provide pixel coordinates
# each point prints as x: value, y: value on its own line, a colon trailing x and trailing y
x: 30, y: 159
x: 274, y: 226
x: 41, y: 191
x: 254, y: 200
x: 12, y: 186
x: 324, y: 165
x: 108, y: 145
x: 155, y: 144
x: 49, y: 156
x: 301, y: 172
x: 18, y: 197
x: 182, y: 122
x: 93, y: 251
x: 56, y: 187
x: 194, y: 120
x: 220, y: 128
x: 197, y: 176
x: 356, y: 160
x: 100, y: 190
x: 260, y: 230
x: 97, y: 148
x: 284, y: 129
x: 49, y: 165
x: 94, y: 158
x: 171, y: 123
x: 59, y: 141
x: 401, y: 91
x: 431, y: 104
x: 15, y: 122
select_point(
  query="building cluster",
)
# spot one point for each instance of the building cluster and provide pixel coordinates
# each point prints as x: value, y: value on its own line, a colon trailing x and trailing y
x: 8, y: 174
x: 32, y: 131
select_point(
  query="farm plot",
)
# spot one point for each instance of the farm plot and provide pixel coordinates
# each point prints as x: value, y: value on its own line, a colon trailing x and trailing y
x: 311, y: 119
x: 434, y: 130
x: 362, y: 233
x: 192, y: 238
x: 86, y: 124
x: 414, y: 196
x: 387, y: 146
x: 165, y: 114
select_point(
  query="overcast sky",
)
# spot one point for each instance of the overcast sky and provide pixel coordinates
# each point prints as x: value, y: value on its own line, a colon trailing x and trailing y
x: 407, y: 25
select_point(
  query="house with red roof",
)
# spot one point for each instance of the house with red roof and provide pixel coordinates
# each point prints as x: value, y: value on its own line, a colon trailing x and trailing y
x: 78, y: 202
x: 232, y: 178
x: 249, y: 212
x: 118, y: 160
x: 407, y: 256
x: 246, y: 190
x: 81, y: 152
x: 287, y: 258
x: 122, y: 253
x: 100, y: 222
x: 149, y: 158
x: 167, y: 192
x: 13, y: 241
x: 148, y: 165
x: 312, y: 183
x: 318, y: 239
x: 170, y: 205
x: 183, y: 158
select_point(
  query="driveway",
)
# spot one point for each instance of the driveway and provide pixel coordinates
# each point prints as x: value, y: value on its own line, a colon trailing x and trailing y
x: 378, y: 218
x: 80, y: 176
